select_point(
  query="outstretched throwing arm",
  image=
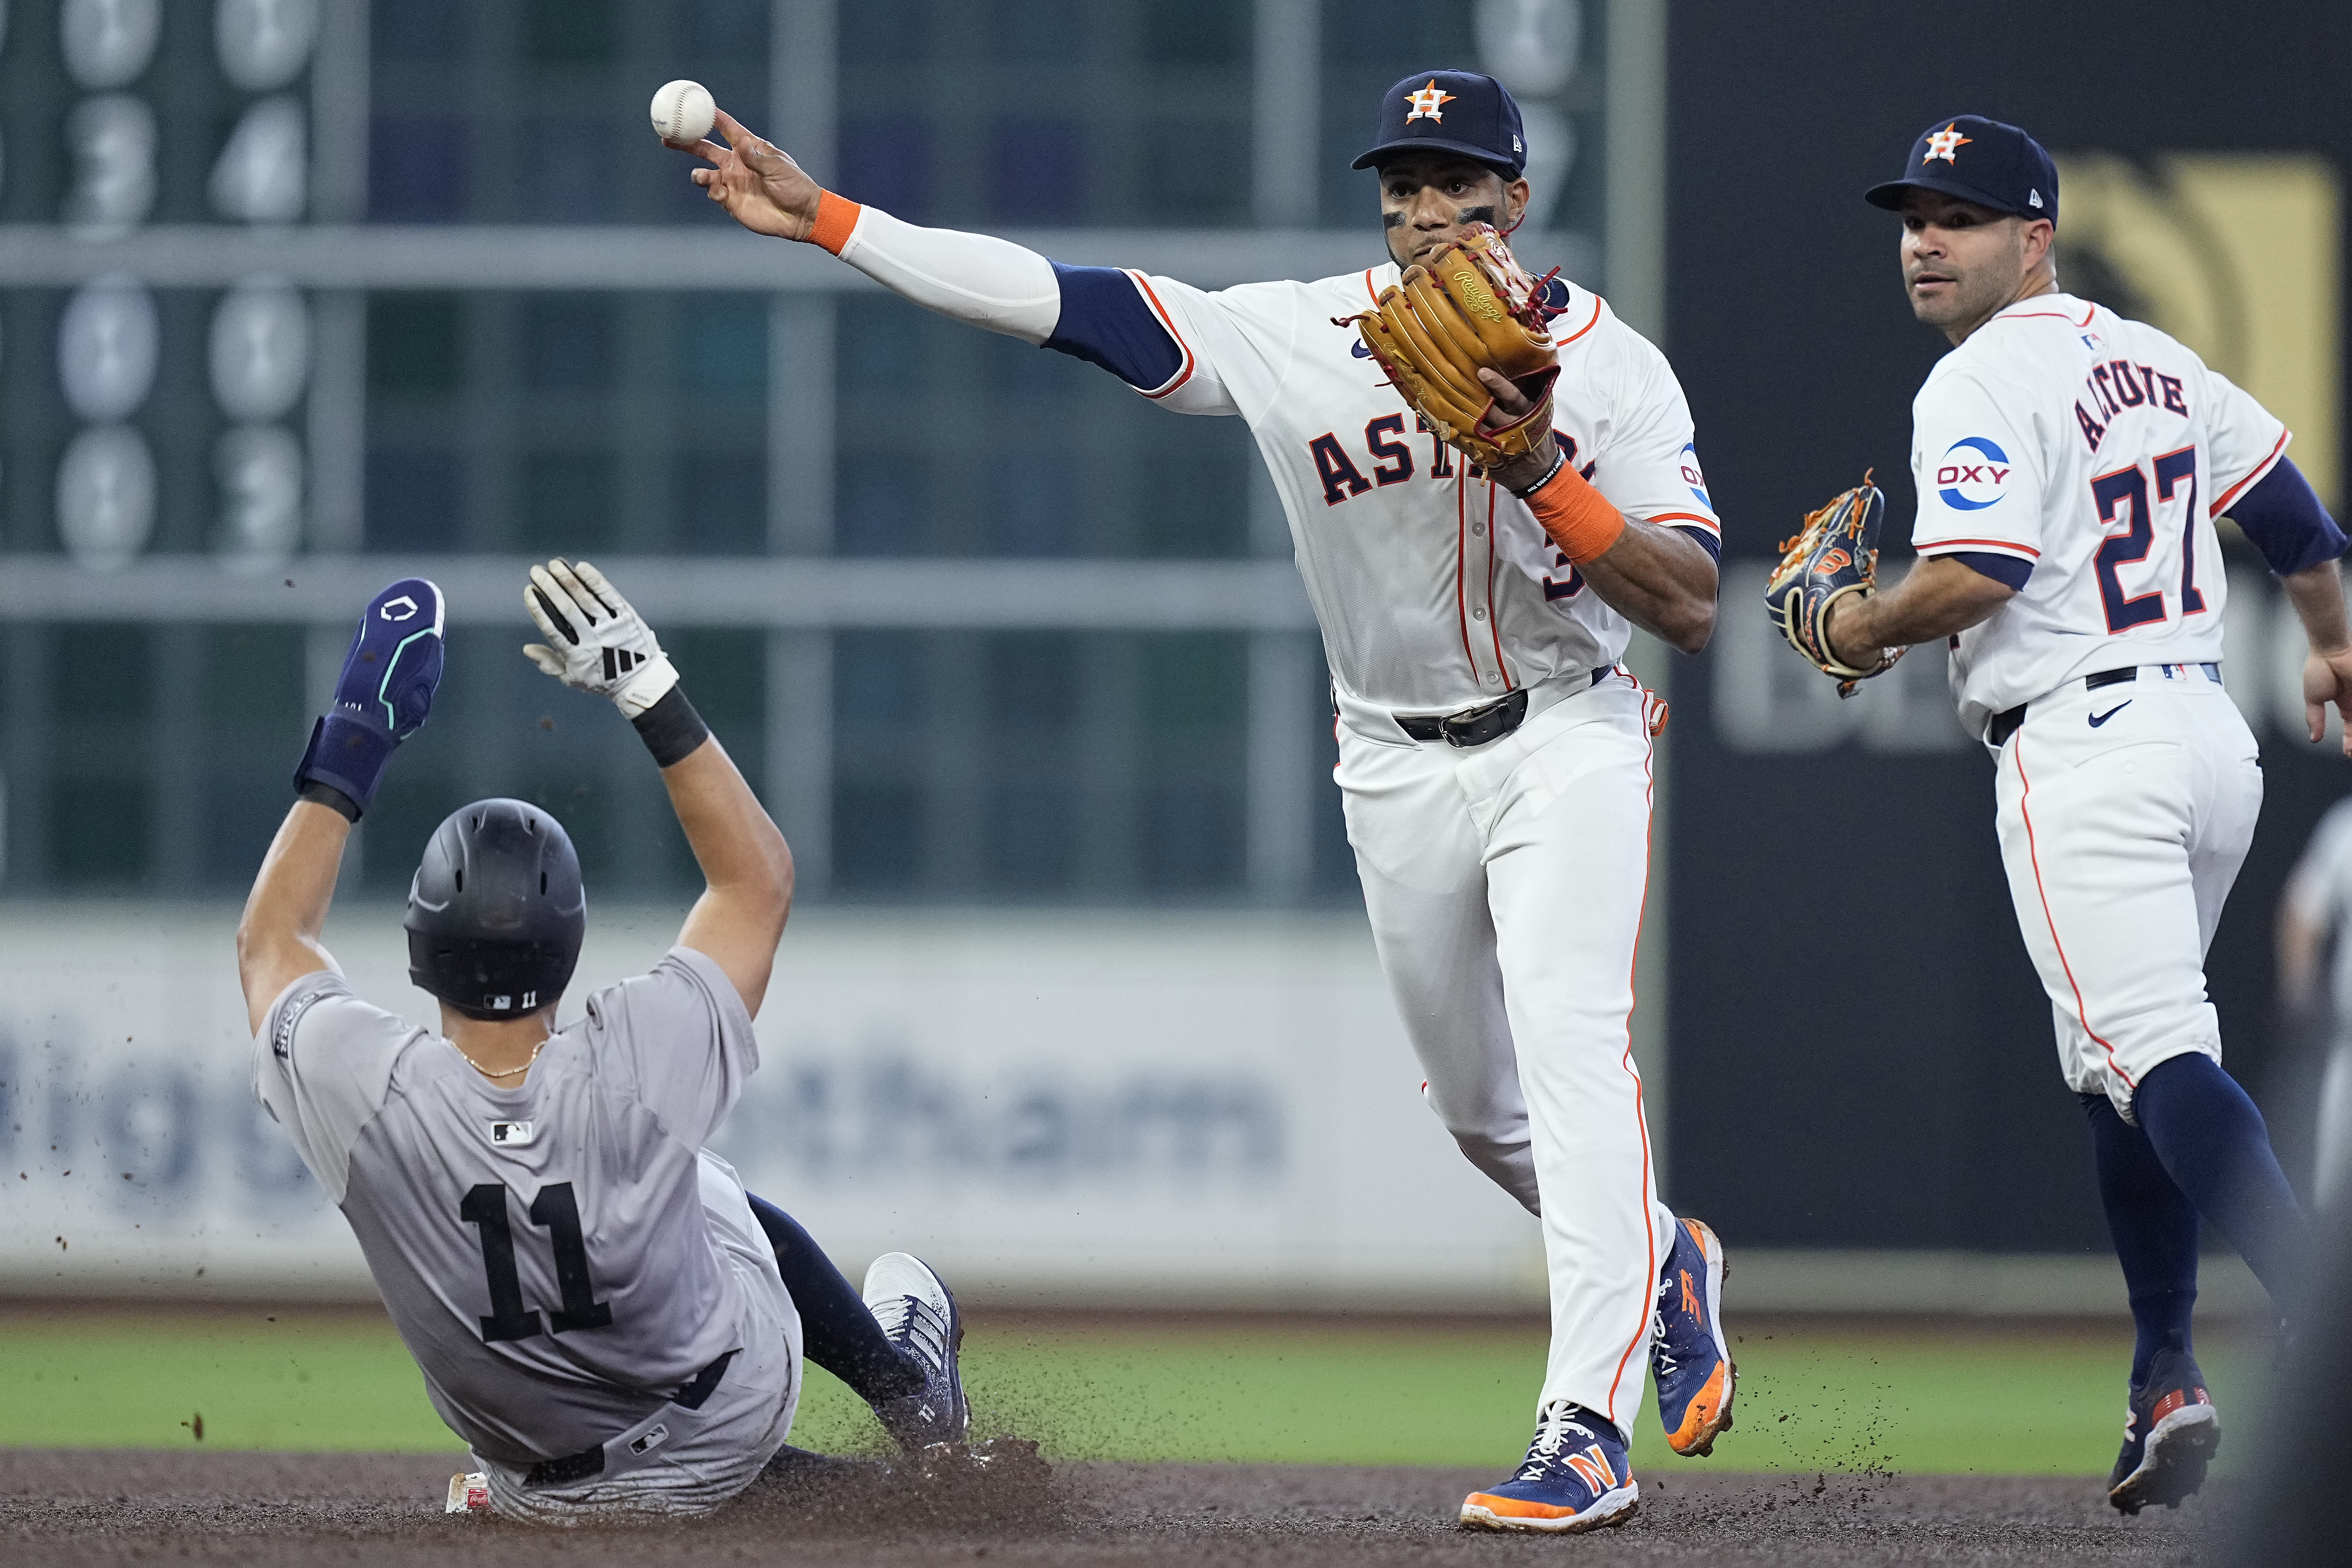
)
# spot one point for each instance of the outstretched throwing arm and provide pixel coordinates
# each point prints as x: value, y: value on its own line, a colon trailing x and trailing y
x: 1098, y: 314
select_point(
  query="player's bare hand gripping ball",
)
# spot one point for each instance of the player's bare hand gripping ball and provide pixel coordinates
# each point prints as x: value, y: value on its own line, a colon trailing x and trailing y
x: 761, y: 187
x: 595, y: 640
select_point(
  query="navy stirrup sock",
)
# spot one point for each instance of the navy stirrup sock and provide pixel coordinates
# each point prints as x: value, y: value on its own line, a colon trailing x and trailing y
x: 836, y: 1330
x: 2154, y: 1227
x: 2217, y: 1148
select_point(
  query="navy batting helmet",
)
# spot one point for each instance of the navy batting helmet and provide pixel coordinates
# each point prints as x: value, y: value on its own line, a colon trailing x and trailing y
x: 497, y: 910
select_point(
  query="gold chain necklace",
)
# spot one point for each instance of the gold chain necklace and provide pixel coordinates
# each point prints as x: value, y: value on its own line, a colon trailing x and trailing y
x: 510, y: 1071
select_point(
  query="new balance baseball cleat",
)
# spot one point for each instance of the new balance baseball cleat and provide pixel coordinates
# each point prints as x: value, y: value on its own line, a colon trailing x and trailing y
x: 1576, y: 1478
x: 917, y: 1312
x: 1687, y: 1354
x: 2171, y: 1432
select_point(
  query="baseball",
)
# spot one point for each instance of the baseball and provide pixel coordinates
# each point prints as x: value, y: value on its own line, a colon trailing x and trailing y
x: 683, y: 111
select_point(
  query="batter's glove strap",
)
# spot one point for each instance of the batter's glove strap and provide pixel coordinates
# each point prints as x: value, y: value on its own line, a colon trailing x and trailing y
x: 390, y: 674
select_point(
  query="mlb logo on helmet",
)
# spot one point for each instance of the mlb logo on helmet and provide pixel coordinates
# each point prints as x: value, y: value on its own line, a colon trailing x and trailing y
x: 1462, y: 112
x: 1972, y: 474
x: 1980, y: 161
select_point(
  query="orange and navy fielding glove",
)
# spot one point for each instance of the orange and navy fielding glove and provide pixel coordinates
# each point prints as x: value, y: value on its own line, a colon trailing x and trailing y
x: 1834, y: 554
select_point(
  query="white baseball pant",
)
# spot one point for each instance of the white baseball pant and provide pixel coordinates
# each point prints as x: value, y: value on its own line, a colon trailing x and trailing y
x: 2121, y: 841
x: 1504, y: 885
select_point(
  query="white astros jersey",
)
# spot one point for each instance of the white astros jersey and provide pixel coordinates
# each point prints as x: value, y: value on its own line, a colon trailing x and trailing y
x: 543, y: 1251
x: 1435, y: 591
x: 2100, y: 450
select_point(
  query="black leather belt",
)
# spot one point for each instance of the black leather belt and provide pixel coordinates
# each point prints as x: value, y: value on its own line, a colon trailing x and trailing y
x: 588, y: 1462
x: 2004, y: 723
x: 1477, y: 726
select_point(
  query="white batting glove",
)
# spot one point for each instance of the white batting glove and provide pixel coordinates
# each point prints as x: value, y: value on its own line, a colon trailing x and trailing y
x: 595, y: 642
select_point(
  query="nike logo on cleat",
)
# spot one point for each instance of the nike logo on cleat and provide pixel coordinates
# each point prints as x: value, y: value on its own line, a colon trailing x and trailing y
x: 2099, y: 718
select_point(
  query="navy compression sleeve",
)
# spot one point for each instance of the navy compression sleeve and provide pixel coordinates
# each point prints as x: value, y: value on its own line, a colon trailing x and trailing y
x: 2286, y: 522
x: 1105, y: 321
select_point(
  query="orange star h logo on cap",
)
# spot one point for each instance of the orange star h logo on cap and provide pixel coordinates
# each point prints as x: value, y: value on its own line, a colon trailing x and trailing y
x: 1426, y: 102
x: 1945, y: 142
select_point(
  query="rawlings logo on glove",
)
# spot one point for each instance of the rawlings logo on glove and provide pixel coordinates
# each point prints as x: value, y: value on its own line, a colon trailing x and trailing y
x: 1834, y: 554
x: 1470, y: 308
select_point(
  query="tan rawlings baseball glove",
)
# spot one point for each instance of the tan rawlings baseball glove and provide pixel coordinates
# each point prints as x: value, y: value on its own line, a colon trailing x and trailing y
x: 1469, y: 307
x: 1834, y: 554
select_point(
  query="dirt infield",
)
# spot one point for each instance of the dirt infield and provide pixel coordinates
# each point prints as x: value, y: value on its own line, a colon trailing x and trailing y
x: 116, y: 1506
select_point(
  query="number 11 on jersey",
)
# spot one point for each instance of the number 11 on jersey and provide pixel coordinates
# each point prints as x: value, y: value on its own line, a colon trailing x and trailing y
x: 558, y: 1212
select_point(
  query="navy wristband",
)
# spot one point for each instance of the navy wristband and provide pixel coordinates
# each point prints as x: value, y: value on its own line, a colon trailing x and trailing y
x: 671, y: 728
x: 347, y: 755
x: 330, y: 797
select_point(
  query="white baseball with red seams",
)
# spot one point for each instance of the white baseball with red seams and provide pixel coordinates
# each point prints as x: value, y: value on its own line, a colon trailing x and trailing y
x: 1505, y: 882
x: 2100, y: 450
x: 683, y: 111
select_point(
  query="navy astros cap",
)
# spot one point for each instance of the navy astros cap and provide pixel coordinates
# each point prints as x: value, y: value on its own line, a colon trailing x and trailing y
x: 1450, y: 111
x: 1980, y: 161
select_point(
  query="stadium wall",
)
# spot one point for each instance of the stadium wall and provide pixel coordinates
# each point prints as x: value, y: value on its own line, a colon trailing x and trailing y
x: 1112, y: 1111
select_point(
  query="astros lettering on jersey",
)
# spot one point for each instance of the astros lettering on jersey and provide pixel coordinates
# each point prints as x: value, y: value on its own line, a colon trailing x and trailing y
x: 1434, y: 589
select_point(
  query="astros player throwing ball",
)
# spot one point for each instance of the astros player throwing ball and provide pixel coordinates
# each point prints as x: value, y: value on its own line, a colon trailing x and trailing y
x: 1494, y: 754
x: 2070, y: 467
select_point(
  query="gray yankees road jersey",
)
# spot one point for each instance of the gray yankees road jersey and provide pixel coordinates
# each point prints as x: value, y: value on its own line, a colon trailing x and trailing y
x: 543, y: 1251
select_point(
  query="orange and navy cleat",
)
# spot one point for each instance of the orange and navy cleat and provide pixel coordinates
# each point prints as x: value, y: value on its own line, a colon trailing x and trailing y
x: 2171, y: 1432
x: 1687, y: 1353
x: 1576, y: 1478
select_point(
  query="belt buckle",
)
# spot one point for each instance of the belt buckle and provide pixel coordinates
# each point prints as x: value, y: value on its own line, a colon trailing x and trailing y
x: 1450, y: 726
x: 1461, y: 726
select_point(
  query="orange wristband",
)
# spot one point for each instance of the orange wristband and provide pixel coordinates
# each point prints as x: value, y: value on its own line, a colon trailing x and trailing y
x: 837, y: 216
x: 1579, y: 518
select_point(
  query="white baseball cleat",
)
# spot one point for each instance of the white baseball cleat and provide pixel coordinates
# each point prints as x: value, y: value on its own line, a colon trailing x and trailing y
x: 918, y: 1314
